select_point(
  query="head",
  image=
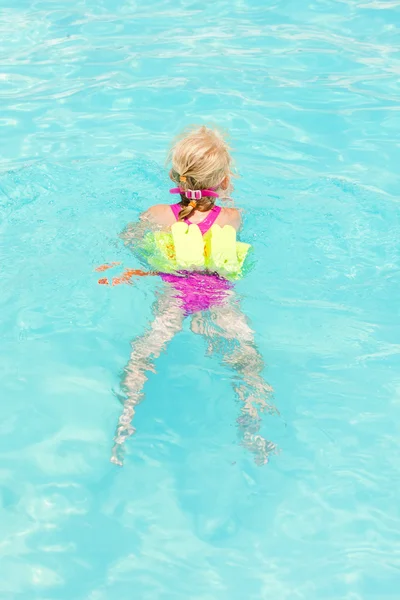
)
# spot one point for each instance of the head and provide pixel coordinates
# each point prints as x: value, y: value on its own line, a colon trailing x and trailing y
x: 200, y: 160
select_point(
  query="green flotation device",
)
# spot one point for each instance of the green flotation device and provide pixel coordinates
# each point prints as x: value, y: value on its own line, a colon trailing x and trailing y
x: 185, y: 248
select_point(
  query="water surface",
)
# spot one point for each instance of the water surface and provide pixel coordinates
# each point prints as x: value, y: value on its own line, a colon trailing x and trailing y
x: 91, y: 94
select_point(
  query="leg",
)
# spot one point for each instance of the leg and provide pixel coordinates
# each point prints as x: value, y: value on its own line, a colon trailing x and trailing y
x: 168, y: 318
x: 229, y: 334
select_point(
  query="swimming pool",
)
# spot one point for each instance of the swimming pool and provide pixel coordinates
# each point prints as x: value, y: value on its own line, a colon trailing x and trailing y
x: 91, y: 94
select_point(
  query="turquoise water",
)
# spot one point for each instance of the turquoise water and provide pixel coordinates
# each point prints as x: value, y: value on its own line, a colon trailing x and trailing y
x: 91, y: 94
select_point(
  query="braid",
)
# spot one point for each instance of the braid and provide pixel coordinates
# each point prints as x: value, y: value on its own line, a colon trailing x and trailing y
x: 189, y: 207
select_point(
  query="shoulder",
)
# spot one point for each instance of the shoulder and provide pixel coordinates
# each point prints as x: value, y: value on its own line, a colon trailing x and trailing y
x: 231, y: 216
x: 156, y: 211
x: 159, y: 214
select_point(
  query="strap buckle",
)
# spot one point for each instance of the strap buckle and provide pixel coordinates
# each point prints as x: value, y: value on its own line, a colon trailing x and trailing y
x: 193, y: 194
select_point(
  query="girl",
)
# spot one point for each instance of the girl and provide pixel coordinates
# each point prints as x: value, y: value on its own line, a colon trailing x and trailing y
x: 202, y: 171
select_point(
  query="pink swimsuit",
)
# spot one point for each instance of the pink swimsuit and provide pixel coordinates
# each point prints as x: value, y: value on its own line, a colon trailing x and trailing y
x: 198, y: 291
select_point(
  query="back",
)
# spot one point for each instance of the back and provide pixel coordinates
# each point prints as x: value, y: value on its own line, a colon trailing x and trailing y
x: 163, y: 216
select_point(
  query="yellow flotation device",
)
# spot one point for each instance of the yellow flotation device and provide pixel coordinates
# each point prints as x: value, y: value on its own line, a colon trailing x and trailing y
x: 185, y: 248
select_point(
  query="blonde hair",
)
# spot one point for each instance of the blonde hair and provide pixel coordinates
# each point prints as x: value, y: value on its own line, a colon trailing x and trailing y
x: 200, y: 160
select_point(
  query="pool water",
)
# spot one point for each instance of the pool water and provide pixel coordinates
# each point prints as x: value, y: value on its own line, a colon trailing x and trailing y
x: 91, y: 94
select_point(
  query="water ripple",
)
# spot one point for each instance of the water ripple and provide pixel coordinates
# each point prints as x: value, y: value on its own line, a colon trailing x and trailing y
x: 91, y: 94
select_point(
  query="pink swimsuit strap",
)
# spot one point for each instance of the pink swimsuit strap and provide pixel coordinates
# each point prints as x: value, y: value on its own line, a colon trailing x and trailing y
x: 204, y: 225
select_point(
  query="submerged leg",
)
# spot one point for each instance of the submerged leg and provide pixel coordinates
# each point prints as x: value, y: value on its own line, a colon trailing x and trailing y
x: 229, y: 334
x: 168, y: 318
